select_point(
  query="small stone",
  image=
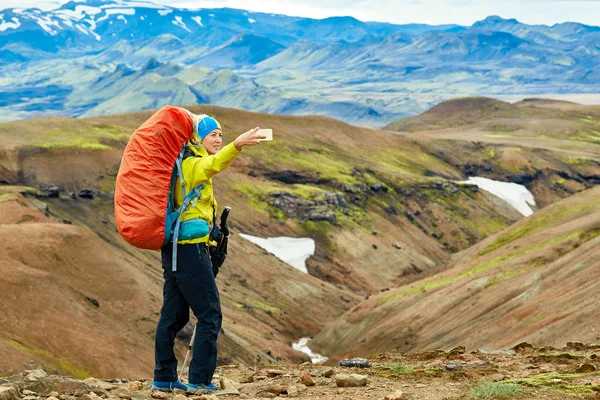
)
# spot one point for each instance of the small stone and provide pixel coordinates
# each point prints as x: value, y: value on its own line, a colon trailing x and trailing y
x: 301, y: 387
x: 123, y: 393
x: 586, y: 368
x: 157, y: 394
x: 30, y: 393
x: 328, y: 373
x: 355, y: 362
x: 399, y: 395
x: 90, y: 396
x: 36, y: 374
x: 455, y: 365
x: 260, y: 378
x: 501, y: 352
x: 523, y: 347
x: 276, y: 389
x: 306, y: 379
x: 52, y: 394
x: 34, y: 398
x: 208, y: 397
x: 179, y: 397
x: 135, y: 386
x: 226, y: 383
x: 292, y: 391
x: 481, y: 364
x: 100, y: 383
x: 350, y: 380
x: 227, y: 392
x: 275, y: 372
x: 420, y: 385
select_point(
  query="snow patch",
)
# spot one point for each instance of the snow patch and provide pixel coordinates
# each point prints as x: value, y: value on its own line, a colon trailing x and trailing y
x: 179, y: 22
x: 252, y: 21
x: 9, y: 25
x: 82, y: 30
x: 293, y: 251
x: 143, y: 17
x: 47, y: 23
x: 518, y: 196
x: 116, y: 11
x: 122, y: 18
x: 139, y: 4
x: 198, y: 20
x: 164, y: 12
x: 302, y: 347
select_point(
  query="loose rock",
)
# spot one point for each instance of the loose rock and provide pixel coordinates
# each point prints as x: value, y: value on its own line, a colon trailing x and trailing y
x: 179, y: 397
x: 135, y: 386
x: 399, y: 395
x: 227, y: 392
x: 157, y: 394
x: 306, y: 379
x: 292, y: 391
x: 350, y: 380
x: 355, y: 362
x: 226, y: 383
x: 275, y: 372
x: 276, y: 389
x: 34, y: 375
x: 586, y: 368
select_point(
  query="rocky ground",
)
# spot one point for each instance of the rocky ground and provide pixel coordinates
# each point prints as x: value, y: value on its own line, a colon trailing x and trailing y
x: 523, y: 372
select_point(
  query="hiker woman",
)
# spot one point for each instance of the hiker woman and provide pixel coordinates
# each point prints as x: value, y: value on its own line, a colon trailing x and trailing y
x: 193, y: 283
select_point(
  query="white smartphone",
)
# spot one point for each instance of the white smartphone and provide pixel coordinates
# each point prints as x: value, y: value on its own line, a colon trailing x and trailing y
x: 267, y: 133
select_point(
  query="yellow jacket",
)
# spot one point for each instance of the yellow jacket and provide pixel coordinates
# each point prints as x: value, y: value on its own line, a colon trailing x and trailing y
x: 197, y: 170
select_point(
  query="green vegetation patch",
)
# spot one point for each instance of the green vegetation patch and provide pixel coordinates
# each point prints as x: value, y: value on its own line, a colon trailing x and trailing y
x: 56, y: 362
x: 7, y: 189
x: 536, y: 224
x: 479, y: 268
x: 494, y: 390
x: 95, y: 137
x: 391, y: 371
x: 560, y: 382
x: 576, y: 161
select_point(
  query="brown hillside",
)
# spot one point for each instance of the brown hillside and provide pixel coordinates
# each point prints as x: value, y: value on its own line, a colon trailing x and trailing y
x: 536, y: 281
x: 383, y: 235
x: 383, y: 209
x: 552, y: 147
x: 74, y: 303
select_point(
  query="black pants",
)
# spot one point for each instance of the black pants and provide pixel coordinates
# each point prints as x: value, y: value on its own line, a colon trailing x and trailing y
x: 191, y: 286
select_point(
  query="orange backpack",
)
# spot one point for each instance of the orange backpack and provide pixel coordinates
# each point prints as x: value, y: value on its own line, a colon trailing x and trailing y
x: 145, y: 186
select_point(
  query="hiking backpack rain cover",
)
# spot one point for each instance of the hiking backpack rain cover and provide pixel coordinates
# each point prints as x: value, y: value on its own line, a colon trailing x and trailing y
x: 146, y: 178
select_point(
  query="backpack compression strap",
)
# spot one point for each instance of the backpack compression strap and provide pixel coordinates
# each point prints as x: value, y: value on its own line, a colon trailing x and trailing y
x: 194, y: 194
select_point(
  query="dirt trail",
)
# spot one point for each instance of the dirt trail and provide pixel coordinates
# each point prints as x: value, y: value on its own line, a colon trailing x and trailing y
x: 532, y: 373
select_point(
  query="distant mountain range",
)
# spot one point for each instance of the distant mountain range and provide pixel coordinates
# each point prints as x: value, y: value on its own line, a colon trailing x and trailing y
x: 93, y: 57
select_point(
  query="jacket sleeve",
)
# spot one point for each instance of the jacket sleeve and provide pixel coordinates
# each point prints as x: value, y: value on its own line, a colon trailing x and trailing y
x: 201, y: 169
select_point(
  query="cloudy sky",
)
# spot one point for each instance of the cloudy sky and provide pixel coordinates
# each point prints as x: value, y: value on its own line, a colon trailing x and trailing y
x: 463, y: 12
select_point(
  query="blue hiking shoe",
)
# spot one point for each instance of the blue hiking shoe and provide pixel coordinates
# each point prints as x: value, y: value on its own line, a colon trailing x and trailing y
x: 168, y: 386
x: 202, y: 389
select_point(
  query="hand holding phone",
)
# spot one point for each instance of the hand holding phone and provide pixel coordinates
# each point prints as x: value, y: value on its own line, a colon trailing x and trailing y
x: 267, y: 133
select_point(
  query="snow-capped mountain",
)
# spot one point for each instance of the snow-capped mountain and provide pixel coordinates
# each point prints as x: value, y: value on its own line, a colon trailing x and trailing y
x: 90, y: 57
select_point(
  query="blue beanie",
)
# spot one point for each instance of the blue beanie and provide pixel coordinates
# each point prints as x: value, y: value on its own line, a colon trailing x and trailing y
x: 206, y: 125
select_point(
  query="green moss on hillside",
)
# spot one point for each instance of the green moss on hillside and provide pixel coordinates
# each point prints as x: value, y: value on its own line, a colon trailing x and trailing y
x: 54, y: 361
x: 534, y: 225
x: 95, y: 137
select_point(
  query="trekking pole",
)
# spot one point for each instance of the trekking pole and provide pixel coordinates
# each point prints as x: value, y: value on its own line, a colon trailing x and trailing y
x: 188, y: 351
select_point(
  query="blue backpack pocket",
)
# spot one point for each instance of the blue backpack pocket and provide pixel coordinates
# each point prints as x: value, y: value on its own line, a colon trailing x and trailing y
x: 193, y: 229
